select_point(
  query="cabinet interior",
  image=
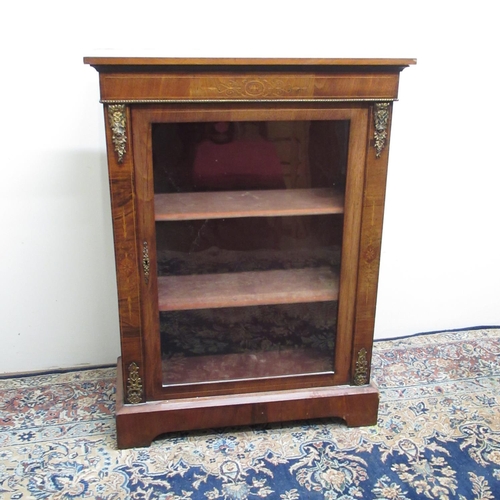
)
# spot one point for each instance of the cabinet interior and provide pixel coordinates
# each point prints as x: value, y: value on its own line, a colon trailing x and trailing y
x: 249, y: 226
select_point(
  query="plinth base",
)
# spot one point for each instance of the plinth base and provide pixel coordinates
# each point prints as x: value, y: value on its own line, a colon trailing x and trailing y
x: 138, y: 425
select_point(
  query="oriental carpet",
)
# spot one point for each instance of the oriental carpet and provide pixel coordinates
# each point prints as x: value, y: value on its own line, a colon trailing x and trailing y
x: 438, y: 437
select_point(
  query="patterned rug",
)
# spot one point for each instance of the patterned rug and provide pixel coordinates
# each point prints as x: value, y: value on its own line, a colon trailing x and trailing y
x: 438, y: 437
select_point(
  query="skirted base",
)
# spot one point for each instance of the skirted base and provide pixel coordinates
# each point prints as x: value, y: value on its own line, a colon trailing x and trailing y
x: 138, y: 425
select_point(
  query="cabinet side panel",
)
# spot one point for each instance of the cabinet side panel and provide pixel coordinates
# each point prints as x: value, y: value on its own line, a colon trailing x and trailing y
x: 370, y: 244
x: 120, y: 164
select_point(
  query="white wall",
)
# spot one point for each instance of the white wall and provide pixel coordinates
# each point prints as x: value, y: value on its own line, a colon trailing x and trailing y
x: 440, y: 264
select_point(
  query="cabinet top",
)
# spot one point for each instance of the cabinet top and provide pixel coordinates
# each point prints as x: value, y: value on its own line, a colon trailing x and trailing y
x: 154, y: 79
x: 118, y: 64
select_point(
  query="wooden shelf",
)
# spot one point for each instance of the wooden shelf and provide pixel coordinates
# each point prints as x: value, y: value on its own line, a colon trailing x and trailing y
x: 248, y: 365
x: 205, y: 291
x: 232, y: 204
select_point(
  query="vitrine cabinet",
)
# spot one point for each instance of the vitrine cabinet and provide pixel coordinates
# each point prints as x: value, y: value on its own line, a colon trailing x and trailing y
x: 247, y: 200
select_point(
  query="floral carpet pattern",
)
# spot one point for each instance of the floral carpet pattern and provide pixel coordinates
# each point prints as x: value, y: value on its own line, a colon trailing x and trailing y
x: 438, y: 437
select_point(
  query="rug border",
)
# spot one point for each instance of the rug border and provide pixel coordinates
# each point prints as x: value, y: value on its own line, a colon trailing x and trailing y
x: 436, y: 332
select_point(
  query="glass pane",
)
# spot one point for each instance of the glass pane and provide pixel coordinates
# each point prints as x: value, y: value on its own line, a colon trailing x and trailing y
x: 249, y: 232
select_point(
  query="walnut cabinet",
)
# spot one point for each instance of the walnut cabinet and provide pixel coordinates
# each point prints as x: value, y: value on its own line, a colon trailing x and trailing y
x: 247, y: 201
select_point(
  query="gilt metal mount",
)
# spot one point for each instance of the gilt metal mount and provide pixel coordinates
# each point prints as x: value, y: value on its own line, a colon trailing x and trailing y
x: 381, y: 117
x: 134, y: 385
x: 117, y: 116
x: 145, y: 261
x: 361, y: 371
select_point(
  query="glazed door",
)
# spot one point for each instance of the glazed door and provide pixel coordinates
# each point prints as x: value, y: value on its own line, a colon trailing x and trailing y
x: 249, y: 227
